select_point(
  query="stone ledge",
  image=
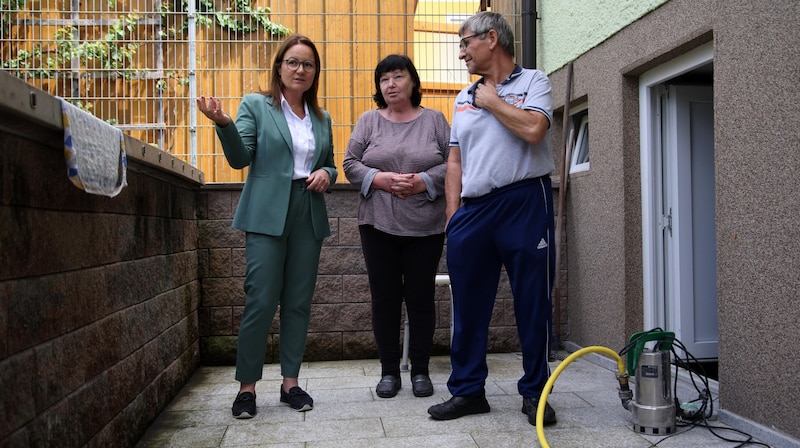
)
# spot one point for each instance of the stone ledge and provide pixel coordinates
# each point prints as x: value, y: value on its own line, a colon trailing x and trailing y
x: 29, y: 107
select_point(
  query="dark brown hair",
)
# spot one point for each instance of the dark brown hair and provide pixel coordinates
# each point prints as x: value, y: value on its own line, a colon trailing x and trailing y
x: 389, y: 64
x: 276, y: 85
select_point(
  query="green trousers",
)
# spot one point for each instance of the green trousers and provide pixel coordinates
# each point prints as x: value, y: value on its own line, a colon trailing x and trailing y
x: 281, y: 270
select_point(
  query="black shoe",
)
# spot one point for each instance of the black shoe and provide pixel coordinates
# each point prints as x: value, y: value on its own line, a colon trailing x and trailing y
x: 388, y: 386
x: 422, y: 386
x: 297, y: 399
x: 529, y: 406
x: 245, y: 405
x: 460, y: 406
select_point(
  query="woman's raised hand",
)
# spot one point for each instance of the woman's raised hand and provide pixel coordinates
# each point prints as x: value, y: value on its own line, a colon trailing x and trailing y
x: 212, y: 108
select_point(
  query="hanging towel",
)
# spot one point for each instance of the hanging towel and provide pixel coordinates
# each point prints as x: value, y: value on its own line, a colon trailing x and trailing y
x: 94, y: 151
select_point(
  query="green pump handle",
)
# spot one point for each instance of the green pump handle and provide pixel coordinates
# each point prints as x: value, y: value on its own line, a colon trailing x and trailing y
x: 664, y: 338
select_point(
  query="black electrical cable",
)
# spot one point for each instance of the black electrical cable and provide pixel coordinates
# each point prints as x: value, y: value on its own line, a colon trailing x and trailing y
x: 748, y: 441
x: 704, y: 424
x: 704, y: 394
x: 633, y: 342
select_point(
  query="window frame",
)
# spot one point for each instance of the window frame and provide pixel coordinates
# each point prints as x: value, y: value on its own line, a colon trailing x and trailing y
x: 579, y: 118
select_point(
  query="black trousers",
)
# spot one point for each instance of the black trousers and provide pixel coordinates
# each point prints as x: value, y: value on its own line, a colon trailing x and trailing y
x: 402, y: 268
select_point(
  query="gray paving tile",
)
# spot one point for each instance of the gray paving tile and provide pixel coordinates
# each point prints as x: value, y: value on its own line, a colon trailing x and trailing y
x: 192, y: 437
x: 347, y: 413
x: 306, y: 431
x: 378, y: 407
x: 432, y: 441
x: 591, y: 437
x: 323, y: 397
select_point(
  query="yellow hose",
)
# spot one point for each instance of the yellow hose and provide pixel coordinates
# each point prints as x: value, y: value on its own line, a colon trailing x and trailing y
x: 549, y: 385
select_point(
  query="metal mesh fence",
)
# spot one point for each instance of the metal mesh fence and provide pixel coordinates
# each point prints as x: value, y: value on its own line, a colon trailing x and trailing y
x: 139, y: 64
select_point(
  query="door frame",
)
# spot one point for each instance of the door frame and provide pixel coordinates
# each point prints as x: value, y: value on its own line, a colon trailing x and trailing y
x: 650, y: 155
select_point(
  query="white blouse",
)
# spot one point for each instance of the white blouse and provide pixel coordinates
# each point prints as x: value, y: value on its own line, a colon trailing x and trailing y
x: 302, y: 140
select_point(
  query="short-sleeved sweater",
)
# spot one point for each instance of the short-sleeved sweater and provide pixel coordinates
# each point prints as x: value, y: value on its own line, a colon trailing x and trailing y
x: 418, y: 146
x: 491, y: 156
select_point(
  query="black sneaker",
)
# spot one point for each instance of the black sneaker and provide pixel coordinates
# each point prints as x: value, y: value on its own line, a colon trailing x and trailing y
x: 245, y: 405
x: 529, y: 406
x: 297, y: 399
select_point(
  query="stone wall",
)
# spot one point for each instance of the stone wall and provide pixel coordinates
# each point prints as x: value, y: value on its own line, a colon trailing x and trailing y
x: 98, y: 295
x: 340, y: 326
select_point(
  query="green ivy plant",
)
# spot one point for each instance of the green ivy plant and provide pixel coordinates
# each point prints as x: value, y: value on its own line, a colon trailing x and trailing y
x: 253, y: 19
x: 239, y: 17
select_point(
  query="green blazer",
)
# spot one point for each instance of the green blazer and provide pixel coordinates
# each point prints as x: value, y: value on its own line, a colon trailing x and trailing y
x: 261, y: 140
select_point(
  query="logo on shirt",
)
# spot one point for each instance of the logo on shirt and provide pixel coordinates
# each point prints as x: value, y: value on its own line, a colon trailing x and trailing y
x: 464, y: 106
x: 515, y: 99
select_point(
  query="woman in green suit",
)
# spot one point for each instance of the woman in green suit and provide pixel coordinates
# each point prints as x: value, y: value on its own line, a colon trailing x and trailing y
x: 286, y: 139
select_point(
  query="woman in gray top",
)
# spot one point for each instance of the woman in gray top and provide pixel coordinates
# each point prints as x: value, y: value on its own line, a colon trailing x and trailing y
x: 397, y: 156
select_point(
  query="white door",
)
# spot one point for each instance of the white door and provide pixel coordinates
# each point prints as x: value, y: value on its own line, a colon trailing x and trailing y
x: 688, y: 217
x: 678, y: 203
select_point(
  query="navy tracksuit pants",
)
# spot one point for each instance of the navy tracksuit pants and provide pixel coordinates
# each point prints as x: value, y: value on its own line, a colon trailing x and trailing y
x: 512, y: 226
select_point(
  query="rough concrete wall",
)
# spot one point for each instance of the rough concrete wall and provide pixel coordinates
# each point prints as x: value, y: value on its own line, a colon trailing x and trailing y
x: 756, y: 54
x: 340, y: 326
x: 603, y: 204
x: 98, y: 298
x: 756, y: 94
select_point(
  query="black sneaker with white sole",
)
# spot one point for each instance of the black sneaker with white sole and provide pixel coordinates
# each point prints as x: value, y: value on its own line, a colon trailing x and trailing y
x: 297, y: 399
x: 245, y: 405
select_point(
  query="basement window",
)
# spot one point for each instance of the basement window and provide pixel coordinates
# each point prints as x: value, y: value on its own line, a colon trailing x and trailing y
x: 580, y: 153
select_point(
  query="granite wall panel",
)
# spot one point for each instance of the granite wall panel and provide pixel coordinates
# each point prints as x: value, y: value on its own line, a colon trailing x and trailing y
x: 98, y: 300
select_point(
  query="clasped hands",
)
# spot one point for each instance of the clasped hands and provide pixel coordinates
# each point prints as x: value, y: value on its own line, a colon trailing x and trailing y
x: 400, y: 185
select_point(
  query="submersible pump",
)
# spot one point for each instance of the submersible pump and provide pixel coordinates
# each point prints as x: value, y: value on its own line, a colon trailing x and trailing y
x: 652, y: 406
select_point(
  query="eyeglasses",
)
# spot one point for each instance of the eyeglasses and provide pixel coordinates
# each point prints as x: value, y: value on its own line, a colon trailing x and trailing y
x: 463, y: 43
x: 294, y: 64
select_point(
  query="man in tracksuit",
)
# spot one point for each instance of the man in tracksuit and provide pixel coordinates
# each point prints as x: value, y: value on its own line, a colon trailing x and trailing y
x: 500, y: 213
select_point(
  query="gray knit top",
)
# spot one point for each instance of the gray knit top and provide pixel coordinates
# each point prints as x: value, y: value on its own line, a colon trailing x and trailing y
x: 418, y: 146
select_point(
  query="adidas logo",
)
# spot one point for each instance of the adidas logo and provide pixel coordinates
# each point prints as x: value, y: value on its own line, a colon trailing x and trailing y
x: 542, y: 244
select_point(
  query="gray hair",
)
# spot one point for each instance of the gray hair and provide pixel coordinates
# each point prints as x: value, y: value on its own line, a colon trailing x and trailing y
x: 484, y: 21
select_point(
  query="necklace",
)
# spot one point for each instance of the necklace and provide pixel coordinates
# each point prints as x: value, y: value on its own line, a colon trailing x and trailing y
x: 298, y: 110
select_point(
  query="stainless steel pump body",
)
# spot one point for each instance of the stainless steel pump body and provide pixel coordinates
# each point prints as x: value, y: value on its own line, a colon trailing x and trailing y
x: 653, y: 407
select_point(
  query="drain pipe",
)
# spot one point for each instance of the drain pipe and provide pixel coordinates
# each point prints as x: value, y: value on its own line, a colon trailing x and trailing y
x: 529, y: 17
